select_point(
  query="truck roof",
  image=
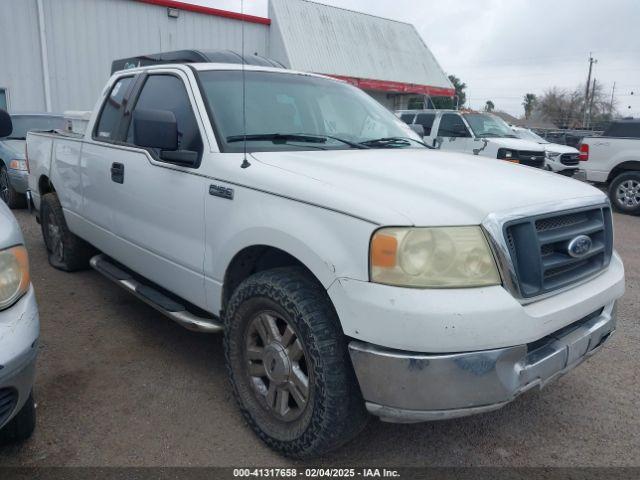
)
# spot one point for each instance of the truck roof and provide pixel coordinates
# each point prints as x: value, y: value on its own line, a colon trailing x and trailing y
x: 193, y: 56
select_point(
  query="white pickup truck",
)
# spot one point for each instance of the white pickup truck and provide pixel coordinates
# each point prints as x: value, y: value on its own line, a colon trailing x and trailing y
x: 351, y: 268
x: 613, y: 159
x: 475, y: 133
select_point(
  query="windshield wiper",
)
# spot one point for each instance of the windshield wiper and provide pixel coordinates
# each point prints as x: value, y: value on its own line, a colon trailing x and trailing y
x: 392, y: 142
x: 290, y: 137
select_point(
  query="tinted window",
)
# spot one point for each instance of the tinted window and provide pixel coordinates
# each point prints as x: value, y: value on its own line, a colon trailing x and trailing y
x: 426, y: 120
x: 166, y: 92
x: 407, y: 118
x: 3, y: 99
x: 450, y: 125
x: 623, y: 129
x: 112, y: 110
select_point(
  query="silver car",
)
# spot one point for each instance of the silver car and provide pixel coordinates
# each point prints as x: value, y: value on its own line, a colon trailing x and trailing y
x: 13, y: 161
x: 19, y: 328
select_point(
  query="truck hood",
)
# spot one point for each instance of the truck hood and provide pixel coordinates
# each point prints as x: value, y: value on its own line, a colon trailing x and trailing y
x: 559, y: 148
x: 412, y: 186
x: 516, y: 144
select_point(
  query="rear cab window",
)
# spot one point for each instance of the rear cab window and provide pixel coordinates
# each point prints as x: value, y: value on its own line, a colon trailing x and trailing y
x: 107, y: 125
x: 426, y: 120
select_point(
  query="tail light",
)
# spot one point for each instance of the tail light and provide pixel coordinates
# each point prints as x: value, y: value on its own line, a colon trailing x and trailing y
x: 584, y: 152
x: 26, y: 157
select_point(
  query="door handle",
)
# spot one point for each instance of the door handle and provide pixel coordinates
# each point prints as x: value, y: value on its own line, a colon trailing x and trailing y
x: 117, y: 172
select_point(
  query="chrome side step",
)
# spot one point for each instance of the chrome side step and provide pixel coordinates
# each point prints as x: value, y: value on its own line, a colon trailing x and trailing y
x: 154, y: 298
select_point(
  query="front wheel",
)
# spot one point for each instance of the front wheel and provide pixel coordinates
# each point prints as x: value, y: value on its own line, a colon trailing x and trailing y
x: 288, y: 364
x: 624, y: 193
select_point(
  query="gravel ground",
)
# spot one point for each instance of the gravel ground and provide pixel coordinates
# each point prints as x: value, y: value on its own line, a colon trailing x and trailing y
x: 120, y: 385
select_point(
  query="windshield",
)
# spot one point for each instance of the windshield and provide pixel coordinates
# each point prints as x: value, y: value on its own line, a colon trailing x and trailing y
x: 298, y: 112
x: 484, y: 125
x: 529, y: 135
x: 25, y: 123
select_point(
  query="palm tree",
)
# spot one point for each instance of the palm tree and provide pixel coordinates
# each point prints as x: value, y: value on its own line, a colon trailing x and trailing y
x: 489, y: 106
x: 529, y: 104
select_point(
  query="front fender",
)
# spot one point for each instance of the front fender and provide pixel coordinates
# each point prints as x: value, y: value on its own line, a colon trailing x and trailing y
x: 330, y: 244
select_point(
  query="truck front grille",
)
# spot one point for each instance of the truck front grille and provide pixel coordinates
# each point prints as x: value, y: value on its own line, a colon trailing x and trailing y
x: 570, y: 159
x: 539, y: 250
x: 8, y: 400
x: 531, y: 159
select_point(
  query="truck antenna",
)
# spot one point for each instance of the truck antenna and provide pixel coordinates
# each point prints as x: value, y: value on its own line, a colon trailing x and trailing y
x: 245, y: 161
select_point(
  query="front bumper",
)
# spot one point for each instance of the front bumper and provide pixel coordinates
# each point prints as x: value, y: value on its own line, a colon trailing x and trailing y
x: 19, y: 180
x: 414, y: 387
x: 19, y: 330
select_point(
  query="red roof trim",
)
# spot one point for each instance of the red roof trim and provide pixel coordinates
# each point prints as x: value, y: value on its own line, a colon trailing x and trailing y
x: 208, y: 11
x: 396, y: 87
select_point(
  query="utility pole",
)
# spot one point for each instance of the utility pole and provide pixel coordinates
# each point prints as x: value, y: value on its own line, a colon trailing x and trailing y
x: 593, y: 96
x: 586, y: 93
x: 613, y: 91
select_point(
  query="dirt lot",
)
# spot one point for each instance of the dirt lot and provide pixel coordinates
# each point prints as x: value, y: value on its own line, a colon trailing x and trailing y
x: 120, y: 385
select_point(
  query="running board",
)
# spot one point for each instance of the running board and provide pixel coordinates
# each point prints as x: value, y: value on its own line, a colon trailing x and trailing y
x: 153, y: 297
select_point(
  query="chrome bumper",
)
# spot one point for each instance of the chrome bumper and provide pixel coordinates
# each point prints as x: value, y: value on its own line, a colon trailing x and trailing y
x: 413, y: 387
x: 19, y: 180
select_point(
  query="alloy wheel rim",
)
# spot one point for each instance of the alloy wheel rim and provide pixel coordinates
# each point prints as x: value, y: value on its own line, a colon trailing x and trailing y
x: 628, y: 193
x: 276, y: 366
x: 54, y: 240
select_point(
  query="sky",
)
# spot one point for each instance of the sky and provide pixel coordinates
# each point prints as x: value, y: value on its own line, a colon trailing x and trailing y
x: 503, y: 49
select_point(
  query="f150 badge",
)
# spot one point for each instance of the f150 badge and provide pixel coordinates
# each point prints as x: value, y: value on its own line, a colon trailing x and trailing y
x: 220, y: 191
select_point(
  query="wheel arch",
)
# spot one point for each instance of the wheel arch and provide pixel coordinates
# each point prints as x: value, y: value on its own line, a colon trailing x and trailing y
x: 631, y: 165
x: 45, y: 186
x: 257, y: 258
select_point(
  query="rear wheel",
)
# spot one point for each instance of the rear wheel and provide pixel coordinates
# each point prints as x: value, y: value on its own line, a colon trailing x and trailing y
x: 21, y: 427
x: 288, y: 363
x: 624, y: 193
x: 8, y: 194
x: 66, y: 251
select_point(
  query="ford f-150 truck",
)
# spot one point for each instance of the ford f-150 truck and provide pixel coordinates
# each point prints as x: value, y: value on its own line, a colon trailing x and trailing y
x: 613, y: 159
x: 475, y: 133
x: 352, y: 269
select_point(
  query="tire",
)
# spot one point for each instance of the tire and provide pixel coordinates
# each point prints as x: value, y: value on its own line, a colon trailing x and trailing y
x: 624, y: 193
x: 66, y: 251
x: 21, y: 427
x: 12, y: 198
x: 313, y: 346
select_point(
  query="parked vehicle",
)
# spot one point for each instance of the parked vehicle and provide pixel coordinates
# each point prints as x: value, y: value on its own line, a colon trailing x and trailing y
x: 559, y: 158
x: 19, y: 327
x: 351, y: 268
x: 476, y: 133
x: 613, y: 159
x: 13, y: 166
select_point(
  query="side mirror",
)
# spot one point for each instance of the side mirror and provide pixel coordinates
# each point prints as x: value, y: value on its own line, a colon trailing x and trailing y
x: 6, y: 126
x: 437, y: 142
x: 155, y: 129
x: 419, y: 129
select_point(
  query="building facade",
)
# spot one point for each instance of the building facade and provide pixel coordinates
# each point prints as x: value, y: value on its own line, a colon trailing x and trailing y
x: 58, y: 53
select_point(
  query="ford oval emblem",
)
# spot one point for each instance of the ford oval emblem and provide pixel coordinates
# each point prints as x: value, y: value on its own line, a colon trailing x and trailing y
x: 579, y: 246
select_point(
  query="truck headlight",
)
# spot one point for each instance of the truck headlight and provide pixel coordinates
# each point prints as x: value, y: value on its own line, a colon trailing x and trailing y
x: 508, y: 155
x: 14, y: 275
x: 552, y: 155
x: 439, y: 257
